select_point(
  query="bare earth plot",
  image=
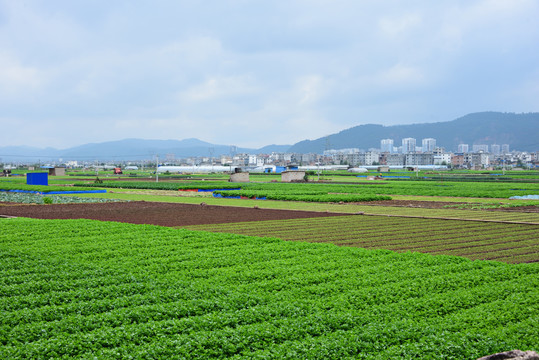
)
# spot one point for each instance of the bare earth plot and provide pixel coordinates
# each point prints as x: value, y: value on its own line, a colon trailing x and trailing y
x: 163, y: 214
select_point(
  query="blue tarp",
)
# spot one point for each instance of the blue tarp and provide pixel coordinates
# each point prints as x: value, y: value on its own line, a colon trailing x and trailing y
x: 37, y: 179
x: 526, y: 197
x: 237, y: 197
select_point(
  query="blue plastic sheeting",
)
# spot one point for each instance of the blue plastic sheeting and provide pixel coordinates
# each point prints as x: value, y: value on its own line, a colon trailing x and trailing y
x: 526, y: 197
x: 57, y: 192
x: 41, y: 178
x: 211, y: 190
x: 237, y: 197
x: 226, y: 197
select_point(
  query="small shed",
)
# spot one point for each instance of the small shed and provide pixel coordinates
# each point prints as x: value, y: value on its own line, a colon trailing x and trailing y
x: 293, y: 176
x: 57, y: 171
x: 239, y: 177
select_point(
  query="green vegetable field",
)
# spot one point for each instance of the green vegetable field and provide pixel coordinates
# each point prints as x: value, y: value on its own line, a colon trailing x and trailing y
x: 88, y: 289
x: 374, y: 188
x: 475, y: 240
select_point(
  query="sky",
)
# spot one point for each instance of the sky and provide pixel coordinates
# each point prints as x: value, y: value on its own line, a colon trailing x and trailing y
x: 252, y: 73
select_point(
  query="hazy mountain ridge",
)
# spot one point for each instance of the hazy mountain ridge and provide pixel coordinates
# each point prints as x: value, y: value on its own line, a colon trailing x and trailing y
x: 520, y: 131
x: 128, y: 149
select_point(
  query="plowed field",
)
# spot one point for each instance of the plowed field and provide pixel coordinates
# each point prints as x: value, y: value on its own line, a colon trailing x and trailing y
x: 163, y: 214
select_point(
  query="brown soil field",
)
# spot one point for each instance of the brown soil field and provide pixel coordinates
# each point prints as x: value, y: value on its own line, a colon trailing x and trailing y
x: 163, y: 214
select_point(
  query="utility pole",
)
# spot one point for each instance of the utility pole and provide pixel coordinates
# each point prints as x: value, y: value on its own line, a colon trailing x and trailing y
x: 156, y: 168
x: 211, y: 150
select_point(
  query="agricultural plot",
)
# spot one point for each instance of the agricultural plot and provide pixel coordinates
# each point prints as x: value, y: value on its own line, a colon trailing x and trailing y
x: 511, y: 243
x: 19, y: 187
x: 25, y: 198
x: 374, y: 188
x: 350, y: 208
x: 89, y: 289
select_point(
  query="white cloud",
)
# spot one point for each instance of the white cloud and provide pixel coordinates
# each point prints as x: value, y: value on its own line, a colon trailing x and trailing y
x: 397, y: 26
x: 258, y: 72
x: 401, y: 75
x: 18, y: 80
x: 216, y: 88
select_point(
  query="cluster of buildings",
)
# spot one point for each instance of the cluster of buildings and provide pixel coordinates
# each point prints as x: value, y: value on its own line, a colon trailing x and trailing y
x: 407, y: 154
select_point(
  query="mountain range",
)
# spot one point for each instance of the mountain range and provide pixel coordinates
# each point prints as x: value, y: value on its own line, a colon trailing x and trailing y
x: 520, y: 131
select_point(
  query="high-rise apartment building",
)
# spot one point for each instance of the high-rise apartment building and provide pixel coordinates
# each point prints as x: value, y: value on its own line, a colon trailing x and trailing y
x: 462, y: 148
x: 495, y: 149
x: 480, y: 148
x: 505, y: 148
x: 408, y: 145
x: 428, y: 144
x: 386, y: 145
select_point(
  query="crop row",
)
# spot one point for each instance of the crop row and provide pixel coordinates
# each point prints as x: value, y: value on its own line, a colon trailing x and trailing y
x: 447, y: 188
x: 311, y: 196
x: 399, y: 234
x: 183, y: 185
x: 41, y: 199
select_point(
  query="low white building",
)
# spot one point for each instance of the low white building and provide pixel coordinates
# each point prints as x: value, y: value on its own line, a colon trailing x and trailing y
x: 443, y: 158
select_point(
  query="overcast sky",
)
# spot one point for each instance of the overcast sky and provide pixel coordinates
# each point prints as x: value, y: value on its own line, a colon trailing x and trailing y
x: 253, y: 73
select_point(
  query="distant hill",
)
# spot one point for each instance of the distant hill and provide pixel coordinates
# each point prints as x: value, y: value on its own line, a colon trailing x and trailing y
x: 520, y: 131
x: 128, y: 149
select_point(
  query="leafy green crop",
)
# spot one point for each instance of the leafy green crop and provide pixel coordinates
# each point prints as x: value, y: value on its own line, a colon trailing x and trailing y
x: 24, y: 198
x: 38, y: 188
x: 163, y: 185
x: 303, y: 196
x: 408, y: 187
x: 89, y: 289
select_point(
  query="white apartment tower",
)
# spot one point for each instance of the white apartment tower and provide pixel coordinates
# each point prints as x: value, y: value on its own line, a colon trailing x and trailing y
x: 386, y: 145
x: 463, y: 148
x: 428, y: 144
x: 408, y: 145
x: 480, y: 147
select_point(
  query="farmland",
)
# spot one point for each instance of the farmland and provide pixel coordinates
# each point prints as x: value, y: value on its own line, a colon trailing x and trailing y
x: 75, y: 289
x: 443, y: 270
x: 430, y: 188
x: 475, y: 240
